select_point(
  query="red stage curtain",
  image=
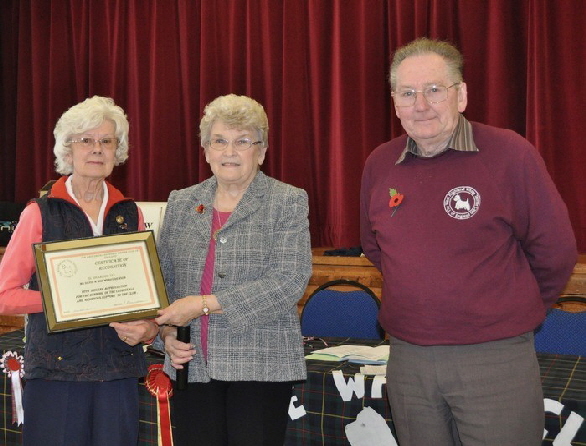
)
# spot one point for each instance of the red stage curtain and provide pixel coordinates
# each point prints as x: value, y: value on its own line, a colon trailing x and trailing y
x: 319, y: 68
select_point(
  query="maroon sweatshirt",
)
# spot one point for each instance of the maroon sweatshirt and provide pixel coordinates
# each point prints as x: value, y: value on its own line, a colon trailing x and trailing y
x: 479, y: 247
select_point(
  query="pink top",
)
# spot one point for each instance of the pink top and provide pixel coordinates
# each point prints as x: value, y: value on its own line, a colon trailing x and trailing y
x: 18, y: 265
x: 207, y: 279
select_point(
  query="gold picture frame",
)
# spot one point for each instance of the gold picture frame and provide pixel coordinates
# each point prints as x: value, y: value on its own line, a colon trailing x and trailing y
x: 97, y: 280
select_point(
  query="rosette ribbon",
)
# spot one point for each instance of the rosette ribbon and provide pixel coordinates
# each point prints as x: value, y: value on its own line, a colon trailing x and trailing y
x: 13, y: 365
x: 159, y: 385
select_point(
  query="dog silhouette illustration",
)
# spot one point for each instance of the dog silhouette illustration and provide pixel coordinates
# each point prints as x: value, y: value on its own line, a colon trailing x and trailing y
x: 461, y: 204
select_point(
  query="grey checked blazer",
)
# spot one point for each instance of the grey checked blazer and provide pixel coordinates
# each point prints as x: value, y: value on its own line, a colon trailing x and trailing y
x: 262, y: 266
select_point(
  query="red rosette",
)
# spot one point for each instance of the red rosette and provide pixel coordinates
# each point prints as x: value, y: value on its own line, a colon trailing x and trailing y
x: 12, y: 364
x: 158, y: 384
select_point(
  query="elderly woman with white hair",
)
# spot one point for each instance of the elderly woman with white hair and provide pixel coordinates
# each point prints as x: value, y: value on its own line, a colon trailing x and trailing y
x: 235, y: 253
x: 81, y: 385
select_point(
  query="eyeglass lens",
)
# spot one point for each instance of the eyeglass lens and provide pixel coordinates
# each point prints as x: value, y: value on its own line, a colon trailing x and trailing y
x: 433, y: 94
x: 106, y: 142
x: 239, y: 144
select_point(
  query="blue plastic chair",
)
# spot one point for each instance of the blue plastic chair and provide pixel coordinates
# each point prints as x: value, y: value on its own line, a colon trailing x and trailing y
x: 336, y: 313
x: 563, y: 332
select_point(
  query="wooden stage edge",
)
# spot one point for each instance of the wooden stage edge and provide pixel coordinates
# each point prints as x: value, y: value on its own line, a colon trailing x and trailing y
x: 327, y: 268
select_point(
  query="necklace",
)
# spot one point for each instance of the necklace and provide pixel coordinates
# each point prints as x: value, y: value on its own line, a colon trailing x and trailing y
x: 220, y: 224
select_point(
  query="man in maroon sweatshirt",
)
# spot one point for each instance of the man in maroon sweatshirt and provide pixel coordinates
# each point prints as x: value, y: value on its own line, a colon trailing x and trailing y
x: 474, y: 244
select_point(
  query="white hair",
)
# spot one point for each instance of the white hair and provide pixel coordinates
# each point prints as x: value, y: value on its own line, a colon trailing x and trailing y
x: 238, y: 112
x: 85, y: 116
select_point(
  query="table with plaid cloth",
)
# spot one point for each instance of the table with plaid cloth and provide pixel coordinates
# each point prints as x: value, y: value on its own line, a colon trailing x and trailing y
x: 327, y: 414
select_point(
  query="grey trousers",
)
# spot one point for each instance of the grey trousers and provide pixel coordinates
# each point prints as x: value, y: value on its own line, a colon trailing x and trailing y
x: 466, y: 395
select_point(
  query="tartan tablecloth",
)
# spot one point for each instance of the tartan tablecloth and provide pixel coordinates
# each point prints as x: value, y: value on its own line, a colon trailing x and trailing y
x: 327, y: 414
x: 563, y: 377
x: 563, y: 380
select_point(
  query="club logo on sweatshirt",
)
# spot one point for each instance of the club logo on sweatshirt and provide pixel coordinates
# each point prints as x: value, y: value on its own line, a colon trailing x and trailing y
x: 462, y: 202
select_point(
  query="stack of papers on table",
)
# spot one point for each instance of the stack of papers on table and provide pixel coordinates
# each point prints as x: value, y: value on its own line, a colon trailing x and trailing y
x: 360, y: 354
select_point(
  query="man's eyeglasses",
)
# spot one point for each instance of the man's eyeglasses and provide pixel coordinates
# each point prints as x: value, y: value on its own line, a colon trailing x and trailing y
x: 86, y: 142
x: 433, y: 94
x: 240, y: 144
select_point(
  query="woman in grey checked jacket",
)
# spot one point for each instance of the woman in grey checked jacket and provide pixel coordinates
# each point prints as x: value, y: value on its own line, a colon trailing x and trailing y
x: 235, y: 253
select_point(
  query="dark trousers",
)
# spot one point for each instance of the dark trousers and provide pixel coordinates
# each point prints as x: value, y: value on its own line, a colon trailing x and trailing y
x: 221, y: 413
x: 65, y: 413
x: 466, y: 395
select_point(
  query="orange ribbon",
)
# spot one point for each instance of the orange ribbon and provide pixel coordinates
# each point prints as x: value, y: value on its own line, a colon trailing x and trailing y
x: 159, y: 385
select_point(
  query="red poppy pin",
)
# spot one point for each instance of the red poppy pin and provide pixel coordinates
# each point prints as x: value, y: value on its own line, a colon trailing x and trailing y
x: 200, y: 209
x: 396, y: 200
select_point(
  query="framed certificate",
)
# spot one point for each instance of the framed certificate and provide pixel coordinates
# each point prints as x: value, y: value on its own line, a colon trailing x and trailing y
x: 94, y: 281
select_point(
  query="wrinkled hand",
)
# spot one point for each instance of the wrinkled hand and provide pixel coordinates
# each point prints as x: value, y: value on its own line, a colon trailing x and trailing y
x: 135, y: 332
x: 179, y: 352
x: 179, y: 313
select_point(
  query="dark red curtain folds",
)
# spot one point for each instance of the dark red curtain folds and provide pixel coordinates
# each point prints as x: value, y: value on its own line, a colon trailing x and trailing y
x: 319, y: 67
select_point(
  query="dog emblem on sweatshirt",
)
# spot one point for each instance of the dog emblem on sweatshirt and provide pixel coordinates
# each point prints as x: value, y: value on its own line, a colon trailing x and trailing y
x: 462, y: 202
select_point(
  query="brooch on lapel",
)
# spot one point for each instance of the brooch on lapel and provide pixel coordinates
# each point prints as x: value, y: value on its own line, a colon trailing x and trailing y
x: 120, y: 221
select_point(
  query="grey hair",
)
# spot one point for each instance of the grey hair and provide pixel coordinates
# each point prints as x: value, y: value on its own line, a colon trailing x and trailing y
x: 423, y: 45
x: 238, y: 112
x: 85, y: 116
